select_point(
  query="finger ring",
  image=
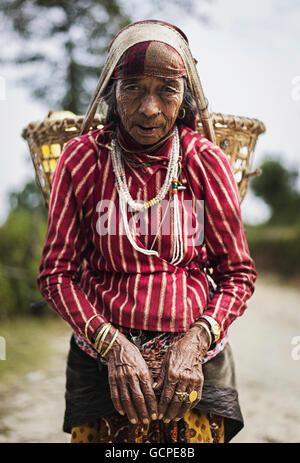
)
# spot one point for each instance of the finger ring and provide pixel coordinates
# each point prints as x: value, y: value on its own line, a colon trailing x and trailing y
x: 184, y: 396
x: 193, y: 396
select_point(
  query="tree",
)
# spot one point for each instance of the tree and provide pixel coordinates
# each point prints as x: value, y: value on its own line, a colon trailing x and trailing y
x: 28, y: 198
x: 63, y: 43
x: 21, y: 238
x: 277, y: 187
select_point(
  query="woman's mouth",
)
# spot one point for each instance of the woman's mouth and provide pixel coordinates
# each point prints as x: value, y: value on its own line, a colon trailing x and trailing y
x: 146, y: 130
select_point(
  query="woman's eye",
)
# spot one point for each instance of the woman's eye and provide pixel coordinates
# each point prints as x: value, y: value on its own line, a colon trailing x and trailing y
x: 169, y: 90
x: 132, y: 88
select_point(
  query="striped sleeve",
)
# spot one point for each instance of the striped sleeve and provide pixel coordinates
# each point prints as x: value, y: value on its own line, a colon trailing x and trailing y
x: 66, y: 241
x: 227, y: 249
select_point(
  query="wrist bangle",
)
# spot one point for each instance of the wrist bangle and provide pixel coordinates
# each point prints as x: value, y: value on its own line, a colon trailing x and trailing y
x: 107, y: 328
x: 87, y: 325
x: 111, y: 343
x: 204, y: 325
x: 99, y: 335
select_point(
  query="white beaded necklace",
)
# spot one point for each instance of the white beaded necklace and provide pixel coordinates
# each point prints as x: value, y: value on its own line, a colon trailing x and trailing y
x: 126, y: 199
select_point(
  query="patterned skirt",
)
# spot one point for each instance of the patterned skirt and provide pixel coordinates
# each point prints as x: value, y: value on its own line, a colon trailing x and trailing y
x: 196, y: 427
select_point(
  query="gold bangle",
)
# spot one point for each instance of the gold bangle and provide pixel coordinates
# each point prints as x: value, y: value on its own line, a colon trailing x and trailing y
x: 105, y: 333
x: 111, y: 343
x: 207, y: 330
x: 98, y: 337
x: 87, y: 325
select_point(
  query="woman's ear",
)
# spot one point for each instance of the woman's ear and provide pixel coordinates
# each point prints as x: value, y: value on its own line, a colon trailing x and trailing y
x: 181, y: 113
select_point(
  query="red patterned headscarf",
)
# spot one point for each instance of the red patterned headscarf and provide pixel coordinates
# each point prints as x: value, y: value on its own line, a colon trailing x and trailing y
x: 158, y: 49
x: 151, y: 58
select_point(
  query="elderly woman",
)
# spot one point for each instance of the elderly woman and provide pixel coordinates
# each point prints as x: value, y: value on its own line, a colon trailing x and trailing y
x: 148, y: 294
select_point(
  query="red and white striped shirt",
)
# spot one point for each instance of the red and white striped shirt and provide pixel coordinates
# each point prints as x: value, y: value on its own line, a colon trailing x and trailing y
x: 85, y: 271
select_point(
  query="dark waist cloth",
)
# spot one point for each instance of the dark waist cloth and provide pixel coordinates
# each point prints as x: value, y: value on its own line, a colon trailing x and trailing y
x: 88, y: 394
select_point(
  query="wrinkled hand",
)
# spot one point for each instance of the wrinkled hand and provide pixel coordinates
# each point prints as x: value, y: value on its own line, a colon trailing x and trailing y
x: 181, y: 371
x: 130, y: 381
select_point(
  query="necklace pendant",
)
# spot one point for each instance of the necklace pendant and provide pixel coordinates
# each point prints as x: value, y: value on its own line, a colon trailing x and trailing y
x: 180, y: 186
x: 174, y: 186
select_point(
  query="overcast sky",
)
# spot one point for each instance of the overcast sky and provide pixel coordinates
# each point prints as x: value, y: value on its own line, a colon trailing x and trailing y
x: 249, y: 65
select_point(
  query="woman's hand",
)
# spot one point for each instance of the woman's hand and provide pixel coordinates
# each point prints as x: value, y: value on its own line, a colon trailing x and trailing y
x: 130, y: 381
x: 182, y: 372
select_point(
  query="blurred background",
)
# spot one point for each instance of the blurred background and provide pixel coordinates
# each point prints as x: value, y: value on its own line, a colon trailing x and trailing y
x: 249, y: 64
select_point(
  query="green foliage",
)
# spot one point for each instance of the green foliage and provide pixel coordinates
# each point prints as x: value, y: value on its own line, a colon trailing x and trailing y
x: 63, y: 43
x: 275, y: 245
x: 21, y: 239
x: 275, y: 248
x: 277, y: 187
x: 66, y: 42
x: 28, y: 198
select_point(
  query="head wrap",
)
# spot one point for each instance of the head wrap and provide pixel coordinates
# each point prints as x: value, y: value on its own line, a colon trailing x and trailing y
x: 149, y: 31
x: 151, y: 58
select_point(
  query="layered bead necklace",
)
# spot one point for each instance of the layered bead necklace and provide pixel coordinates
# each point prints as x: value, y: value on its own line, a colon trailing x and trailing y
x: 125, y: 198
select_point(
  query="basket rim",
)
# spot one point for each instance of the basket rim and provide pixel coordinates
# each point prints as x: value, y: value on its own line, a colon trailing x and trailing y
x: 231, y: 121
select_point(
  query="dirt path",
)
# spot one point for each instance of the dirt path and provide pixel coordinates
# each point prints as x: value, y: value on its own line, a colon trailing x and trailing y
x: 268, y: 371
x: 268, y: 377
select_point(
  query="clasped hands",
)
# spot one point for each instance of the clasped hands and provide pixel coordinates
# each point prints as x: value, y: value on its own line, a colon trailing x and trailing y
x: 133, y: 389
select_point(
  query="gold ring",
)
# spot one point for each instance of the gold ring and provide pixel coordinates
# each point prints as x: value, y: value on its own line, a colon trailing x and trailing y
x: 184, y: 396
x: 193, y: 396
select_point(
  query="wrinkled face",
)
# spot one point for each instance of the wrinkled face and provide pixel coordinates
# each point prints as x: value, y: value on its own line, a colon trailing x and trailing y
x: 148, y: 106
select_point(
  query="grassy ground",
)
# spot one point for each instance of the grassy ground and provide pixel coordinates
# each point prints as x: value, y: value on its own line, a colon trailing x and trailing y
x: 27, y: 344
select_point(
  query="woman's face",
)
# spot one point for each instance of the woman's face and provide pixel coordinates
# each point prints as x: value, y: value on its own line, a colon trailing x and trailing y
x: 148, y: 106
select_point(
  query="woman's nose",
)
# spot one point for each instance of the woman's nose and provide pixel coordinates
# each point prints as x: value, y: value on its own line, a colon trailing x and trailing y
x: 149, y: 106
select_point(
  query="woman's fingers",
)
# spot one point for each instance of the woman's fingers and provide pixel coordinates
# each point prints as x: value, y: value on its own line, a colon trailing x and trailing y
x: 174, y: 405
x: 160, y: 386
x: 150, y: 399
x: 114, y: 393
x: 165, y: 398
x: 185, y: 407
x: 133, y: 395
x: 138, y: 400
x: 161, y: 379
x: 143, y: 399
x: 181, y: 403
x: 127, y: 401
x: 120, y: 395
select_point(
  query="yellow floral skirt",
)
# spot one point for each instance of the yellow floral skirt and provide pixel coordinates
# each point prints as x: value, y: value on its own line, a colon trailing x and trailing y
x: 196, y: 427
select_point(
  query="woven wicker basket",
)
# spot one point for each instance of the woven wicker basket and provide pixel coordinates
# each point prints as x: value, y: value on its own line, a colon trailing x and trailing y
x: 237, y: 137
